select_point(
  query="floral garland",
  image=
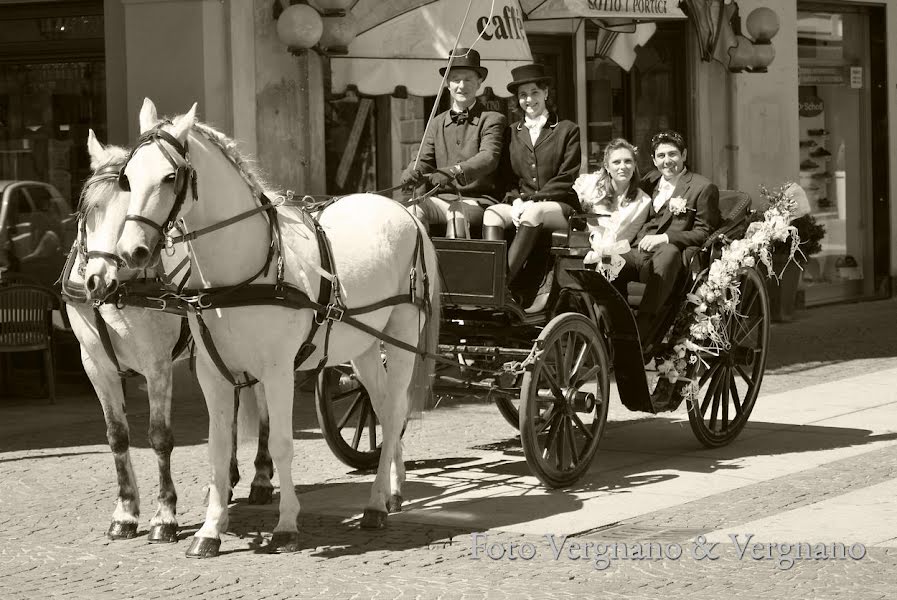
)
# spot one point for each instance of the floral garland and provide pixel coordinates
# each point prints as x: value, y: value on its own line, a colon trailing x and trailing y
x: 699, y: 329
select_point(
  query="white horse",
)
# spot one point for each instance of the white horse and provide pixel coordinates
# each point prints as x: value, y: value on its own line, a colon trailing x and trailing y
x: 139, y: 339
x: 377, y: 244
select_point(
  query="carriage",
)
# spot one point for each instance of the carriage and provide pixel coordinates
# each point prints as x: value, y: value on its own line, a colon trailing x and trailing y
x: 550, y: 372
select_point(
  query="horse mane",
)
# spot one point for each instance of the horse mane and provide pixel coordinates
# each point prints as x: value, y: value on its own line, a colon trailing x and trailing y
x: 96, y: 190
x: 228, y: 147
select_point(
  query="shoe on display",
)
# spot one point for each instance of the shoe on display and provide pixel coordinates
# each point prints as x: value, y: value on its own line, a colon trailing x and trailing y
x: 807, y: 143
x: 817, y: 132
x: 809, y: 164
x: 824, y: 202
x: 820, y: 152
x: 825, y: 175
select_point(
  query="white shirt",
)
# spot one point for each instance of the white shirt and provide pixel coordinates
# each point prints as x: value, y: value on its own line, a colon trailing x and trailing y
x: 665, y: 190
x: 535, y: 125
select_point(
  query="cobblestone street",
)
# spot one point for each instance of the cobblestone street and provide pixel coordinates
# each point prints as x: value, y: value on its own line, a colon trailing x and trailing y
x: 821, y: 471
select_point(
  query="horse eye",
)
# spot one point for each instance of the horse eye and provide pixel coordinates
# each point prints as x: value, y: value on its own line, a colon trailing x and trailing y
x: 169, y: 178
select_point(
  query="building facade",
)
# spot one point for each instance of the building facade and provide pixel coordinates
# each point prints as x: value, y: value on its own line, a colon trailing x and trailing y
x: 824, y: 114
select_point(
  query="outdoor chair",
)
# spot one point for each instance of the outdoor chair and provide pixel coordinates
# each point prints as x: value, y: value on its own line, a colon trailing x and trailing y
x: 26, y: 325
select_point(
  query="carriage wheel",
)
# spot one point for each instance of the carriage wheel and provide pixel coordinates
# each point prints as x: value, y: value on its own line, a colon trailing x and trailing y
x: 347, y: 417
x: 509, y: 407
x: 730, y: 382
x: 564, y: 400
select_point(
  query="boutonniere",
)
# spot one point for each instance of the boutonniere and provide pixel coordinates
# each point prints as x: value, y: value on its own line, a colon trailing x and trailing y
x: 678, y: 205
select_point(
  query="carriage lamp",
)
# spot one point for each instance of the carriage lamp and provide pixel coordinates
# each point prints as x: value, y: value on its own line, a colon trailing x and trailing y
x: 325, y: 26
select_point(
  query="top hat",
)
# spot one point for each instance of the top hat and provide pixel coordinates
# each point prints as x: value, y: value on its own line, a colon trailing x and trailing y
x: 466, y: 58
x: 531, y: 73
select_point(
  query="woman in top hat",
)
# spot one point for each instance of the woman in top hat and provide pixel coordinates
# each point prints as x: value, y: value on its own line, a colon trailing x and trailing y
x: 544, y: 162
x: 460, y: 153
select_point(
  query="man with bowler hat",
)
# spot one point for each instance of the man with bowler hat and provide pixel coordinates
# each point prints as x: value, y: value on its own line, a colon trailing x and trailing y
x: 460, y: 153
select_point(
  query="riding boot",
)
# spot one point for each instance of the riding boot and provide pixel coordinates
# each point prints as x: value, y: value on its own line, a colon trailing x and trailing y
x: 493, y: 232
x: 457, y: 227
x: 542, y: 295
x: 523, y: 244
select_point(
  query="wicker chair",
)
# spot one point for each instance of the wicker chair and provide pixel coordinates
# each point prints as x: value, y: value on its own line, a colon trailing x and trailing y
x: 26, y: 325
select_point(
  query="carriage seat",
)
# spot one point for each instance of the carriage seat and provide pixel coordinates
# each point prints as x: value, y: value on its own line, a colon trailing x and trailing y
x: 734, y: 207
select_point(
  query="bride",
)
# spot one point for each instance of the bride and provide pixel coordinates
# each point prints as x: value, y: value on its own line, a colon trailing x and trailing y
x: 613, y: 195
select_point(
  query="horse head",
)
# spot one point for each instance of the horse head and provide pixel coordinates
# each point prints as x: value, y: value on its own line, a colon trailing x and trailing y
x: 158, y: 174
x: 101, y: 215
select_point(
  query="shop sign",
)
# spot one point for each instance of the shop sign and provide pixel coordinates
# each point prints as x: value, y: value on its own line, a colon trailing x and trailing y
x: 606, y: 9
x: 810, y: 106
x: 832, y: 75
x: 856, y: 78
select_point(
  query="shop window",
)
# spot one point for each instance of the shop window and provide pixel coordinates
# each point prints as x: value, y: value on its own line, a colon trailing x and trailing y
x: 835, y: 149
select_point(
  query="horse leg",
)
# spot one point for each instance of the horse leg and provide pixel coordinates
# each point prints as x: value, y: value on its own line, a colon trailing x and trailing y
x: 390, y: 404
x: 219, y: 397
x: 164, y: 524
x: 262, y: 490
x: 234, y: 467
x: 108, y: 387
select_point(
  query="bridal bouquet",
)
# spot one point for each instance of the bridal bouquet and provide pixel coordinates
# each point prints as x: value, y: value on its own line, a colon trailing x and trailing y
x: 700, y: 328
x: 606, y: 253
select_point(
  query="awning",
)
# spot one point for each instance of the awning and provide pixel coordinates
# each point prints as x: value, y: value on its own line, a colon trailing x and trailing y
x: 405, y: 42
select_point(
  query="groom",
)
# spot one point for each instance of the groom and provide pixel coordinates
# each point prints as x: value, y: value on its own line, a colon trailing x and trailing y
x: 684, y: 212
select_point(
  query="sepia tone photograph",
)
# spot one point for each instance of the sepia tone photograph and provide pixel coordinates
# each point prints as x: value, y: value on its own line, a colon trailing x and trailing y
x: 448, y: 299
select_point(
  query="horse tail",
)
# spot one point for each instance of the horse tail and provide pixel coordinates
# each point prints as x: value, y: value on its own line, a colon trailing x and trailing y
x: 424, y: 364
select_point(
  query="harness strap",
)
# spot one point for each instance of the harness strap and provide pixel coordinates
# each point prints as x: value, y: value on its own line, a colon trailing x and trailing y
x: 192, y: 235
x: 103, y: 332
x: 209, y: 343
x: 325, y: 292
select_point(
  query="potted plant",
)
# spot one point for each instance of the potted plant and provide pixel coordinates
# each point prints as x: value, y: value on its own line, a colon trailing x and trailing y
x: 783, y: 292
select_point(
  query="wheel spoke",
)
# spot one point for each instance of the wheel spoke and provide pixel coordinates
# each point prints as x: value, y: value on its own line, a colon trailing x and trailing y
x: 546, y: 419
x: 709, y: 373
x: 745, y: 376
x: 586, y: 377
x: 724, y: 424
x: 350, y: 412
x: 580, y: 358
x: 560, y: 442
x: 736, y: 400
x: 372, y: 429
x: 345, y: 394
x: 552, y: 433
x: 571, y: 440
x: 746, y: 333
x: 356, y: 439
x: 715, y: 408
x: 582, y: 427
x: 553, y: 384
x: 711, y: 389
x: 568, y: 351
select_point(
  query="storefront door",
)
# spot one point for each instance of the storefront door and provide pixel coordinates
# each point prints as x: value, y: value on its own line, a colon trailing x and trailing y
x: 837, y: 166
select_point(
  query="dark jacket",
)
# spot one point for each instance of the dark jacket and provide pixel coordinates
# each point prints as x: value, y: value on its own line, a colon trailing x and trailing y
x: 700, y: 219
x: 476, y: 146
x: 546, y: 170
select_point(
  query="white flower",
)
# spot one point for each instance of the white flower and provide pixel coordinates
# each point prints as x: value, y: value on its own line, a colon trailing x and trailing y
x: 588, y: 189
x: 678, y: 205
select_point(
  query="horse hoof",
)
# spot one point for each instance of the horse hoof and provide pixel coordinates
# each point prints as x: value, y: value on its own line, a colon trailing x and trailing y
x: 373, y: 519
x: 122, y: 530
x: 394, y: 504
x: 203, y: 547
x: 283, y: 542
x: 260, y: 495
x: 165, y: 533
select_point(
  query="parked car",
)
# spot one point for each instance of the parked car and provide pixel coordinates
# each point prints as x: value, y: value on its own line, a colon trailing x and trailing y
x: 37, y: 229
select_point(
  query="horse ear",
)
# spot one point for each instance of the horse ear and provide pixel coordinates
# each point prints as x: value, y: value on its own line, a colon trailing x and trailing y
x: 148, y: 115
x: 95, y: 149
x: 183, y: 123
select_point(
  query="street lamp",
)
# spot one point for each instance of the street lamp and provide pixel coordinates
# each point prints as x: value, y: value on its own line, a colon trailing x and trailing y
x: 755, y: 55
x: 325, y: 26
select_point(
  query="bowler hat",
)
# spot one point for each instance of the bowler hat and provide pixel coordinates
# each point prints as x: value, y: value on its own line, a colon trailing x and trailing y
x: 531, y: 73
x: 466, y: 58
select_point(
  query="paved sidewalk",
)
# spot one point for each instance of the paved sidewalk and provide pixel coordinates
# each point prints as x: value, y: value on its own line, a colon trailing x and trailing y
x: 817, y: 463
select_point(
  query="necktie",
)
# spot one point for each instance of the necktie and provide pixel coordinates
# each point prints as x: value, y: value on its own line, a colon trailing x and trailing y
x: 458, y: 118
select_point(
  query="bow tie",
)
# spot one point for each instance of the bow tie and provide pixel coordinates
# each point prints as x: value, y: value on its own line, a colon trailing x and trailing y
x: 459, y: 118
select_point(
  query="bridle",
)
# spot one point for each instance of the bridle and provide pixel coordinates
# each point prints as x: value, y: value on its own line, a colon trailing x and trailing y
x: 182, y: 175
x: 107, y: 173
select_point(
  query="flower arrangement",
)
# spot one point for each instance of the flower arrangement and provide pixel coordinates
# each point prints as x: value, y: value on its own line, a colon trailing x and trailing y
x: 699, y: 329
x: 592, y: 189
x: 606, y: 253
x: 677, y: 205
